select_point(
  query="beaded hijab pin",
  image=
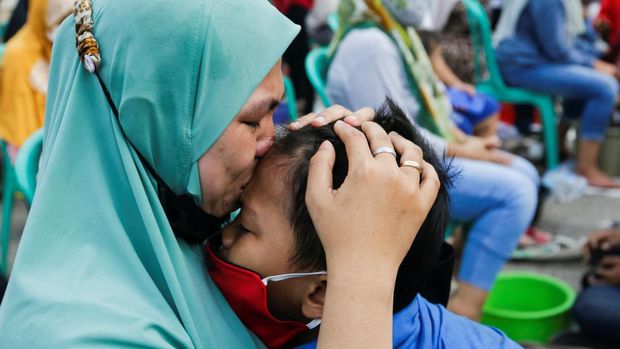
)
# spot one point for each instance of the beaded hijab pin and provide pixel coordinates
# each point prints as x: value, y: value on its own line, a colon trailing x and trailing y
x: 87, y: 45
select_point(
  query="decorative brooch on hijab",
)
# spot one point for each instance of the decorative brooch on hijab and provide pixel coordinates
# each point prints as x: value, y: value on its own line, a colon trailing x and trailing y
x: 187, y: 220
x: 87, y: 45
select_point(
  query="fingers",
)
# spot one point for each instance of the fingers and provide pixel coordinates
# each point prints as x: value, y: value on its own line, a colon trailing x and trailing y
x: 355, y: 143
x: 332, y: 114
x: 302, y: 122
x: 501, y: 158
x: 327, y: 116
x: 320, y: 173
x: 492, y: 142
x: 408, y: 152
x: 379, y: 139
x: 360, y: 117
x: 610, y: 261
x: 429, y: 187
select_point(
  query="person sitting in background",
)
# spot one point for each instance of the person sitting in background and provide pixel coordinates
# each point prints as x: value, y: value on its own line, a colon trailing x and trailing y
x: 597, y: 309
x: 474, y: 112
x: 495, y: 192
x: 25, y: 71
x: 273, y: 240
x: 536, y: 50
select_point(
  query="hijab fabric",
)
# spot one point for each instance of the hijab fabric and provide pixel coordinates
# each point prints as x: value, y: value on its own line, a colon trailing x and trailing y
x: 98, y: 265
x: 512, y: 10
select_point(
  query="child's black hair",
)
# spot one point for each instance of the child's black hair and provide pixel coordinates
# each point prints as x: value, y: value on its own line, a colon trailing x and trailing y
x: 295, y: 150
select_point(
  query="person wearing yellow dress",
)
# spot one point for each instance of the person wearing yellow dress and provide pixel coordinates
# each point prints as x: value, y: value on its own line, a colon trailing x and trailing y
x: 25, y: 71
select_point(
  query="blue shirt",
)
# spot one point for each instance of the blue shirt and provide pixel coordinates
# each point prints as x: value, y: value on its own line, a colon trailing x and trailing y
x: 429, y: 326
x: 541, y: 37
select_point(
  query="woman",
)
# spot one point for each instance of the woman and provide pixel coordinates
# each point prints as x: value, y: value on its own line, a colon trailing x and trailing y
x: 25, y: 71
x: 150, y: 149
x: 537, y: 50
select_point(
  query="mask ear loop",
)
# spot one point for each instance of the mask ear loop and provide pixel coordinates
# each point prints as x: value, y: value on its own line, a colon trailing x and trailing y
x: 187, y: 219
x: 283, y: 277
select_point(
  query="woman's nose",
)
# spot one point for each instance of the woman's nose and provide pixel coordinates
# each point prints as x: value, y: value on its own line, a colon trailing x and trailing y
x: 263, y: 146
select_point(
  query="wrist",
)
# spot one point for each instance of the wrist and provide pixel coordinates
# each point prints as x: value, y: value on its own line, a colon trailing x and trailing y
x: 362, y: 270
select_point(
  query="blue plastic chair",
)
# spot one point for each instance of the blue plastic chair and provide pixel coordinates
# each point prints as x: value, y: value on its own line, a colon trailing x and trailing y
x: 27, y: 165
x: 317, y: 63
x: 493, y: 83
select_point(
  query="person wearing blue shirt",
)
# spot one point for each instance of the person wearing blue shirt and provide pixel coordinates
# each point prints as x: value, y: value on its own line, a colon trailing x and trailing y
x: 538, y: 49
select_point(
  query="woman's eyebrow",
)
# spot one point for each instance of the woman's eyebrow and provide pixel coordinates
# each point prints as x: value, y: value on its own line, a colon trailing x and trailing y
x: 265, y: 105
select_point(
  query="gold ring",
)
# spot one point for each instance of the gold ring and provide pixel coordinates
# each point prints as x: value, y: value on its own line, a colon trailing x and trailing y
x: 411, y: 163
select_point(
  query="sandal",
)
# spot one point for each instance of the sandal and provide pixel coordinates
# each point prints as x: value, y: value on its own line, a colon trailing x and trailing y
x: 561, y: 248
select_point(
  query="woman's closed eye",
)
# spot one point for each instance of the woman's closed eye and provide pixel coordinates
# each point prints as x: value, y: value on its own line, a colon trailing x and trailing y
x: 253, y: 125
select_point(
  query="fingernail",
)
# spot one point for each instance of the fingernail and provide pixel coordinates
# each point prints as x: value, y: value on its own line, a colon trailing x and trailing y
x: 320, y: 119
x: 294, y: 124
x: 324, y: 145
x: 353, y: 118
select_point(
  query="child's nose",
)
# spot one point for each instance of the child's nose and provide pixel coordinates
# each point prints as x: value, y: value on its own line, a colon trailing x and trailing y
x: 228, y: 236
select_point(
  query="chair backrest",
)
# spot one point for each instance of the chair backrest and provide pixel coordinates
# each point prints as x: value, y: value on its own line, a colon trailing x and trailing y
x: 333, y: 22
x: 482, y: 41
x: 291, y: 99
x: 317, y: 63
x: 27, y: 164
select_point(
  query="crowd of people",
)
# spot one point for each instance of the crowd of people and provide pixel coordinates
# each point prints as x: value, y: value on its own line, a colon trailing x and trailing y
x: 170, y: 211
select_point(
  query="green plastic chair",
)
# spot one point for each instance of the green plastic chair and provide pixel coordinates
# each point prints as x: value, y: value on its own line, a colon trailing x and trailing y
x: 27, y: 165
x: 493, y: 83
x: 291, y: 98
x: 333, y: 22
x: 317, y: 63
x: 9, y: 189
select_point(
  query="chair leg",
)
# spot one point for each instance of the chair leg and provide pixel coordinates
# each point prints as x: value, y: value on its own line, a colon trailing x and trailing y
x: 550, y: 133
x: 8, y: 197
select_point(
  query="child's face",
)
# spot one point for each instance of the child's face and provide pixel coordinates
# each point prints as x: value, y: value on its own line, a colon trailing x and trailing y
x: 261, y: 239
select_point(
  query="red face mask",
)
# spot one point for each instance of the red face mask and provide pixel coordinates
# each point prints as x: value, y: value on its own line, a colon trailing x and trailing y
x: 246, y: 293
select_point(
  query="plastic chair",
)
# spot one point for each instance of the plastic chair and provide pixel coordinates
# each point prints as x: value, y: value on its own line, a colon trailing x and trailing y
x: 27, y: 165
x: 291, y: 98
x: 494, y: 85
x: 333, y: 22
x: 9, y: 189
x: 317, y: 63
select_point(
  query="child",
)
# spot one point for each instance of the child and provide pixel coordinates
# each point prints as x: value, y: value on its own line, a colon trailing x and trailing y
x: 270, y: 265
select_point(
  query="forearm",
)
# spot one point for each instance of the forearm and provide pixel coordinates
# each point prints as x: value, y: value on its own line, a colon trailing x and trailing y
x: 358, y: 309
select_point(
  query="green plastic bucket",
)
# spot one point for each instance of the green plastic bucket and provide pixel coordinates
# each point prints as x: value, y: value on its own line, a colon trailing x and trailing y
x: 529, y: 307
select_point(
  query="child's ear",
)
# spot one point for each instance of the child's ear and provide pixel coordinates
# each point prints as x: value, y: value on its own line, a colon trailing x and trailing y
x: 314, y: 299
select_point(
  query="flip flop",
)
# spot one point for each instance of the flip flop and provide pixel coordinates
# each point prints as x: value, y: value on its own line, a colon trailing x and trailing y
x: 561, y: 248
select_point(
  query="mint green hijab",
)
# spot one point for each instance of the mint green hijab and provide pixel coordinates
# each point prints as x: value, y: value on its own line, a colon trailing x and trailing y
x: 98, y: 265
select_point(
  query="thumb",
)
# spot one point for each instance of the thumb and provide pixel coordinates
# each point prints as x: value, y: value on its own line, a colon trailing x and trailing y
x: 492, y: 142
x: 320, y: 173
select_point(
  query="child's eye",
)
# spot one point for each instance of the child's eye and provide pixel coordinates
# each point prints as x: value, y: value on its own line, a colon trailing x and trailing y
x: 243, y: 229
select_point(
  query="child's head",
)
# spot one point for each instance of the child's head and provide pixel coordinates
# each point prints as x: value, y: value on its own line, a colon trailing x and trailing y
x: 274, y: 233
